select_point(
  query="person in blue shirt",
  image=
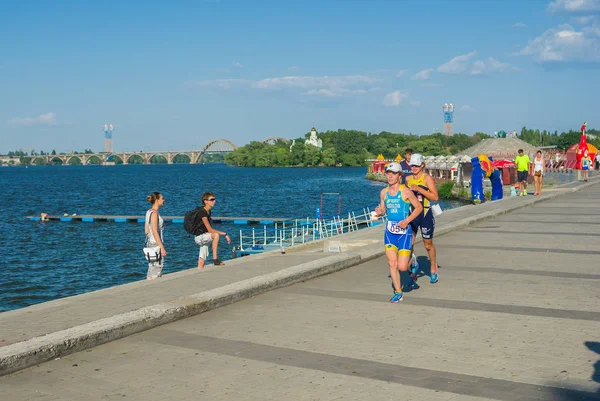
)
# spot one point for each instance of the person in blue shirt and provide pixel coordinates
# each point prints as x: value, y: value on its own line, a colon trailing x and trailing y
x: 396, y: 201
x: 406, y: 170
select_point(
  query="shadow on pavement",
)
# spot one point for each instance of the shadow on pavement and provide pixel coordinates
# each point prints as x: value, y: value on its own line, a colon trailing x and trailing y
x: 563, y: 394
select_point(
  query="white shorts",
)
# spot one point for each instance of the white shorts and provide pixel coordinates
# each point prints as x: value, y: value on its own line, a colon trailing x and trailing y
x: 203, y: 240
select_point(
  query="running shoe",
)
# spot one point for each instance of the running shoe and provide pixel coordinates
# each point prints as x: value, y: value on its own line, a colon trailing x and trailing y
x: 397, y: 297
x: 414, y: 268
x: 435, y: 277
x: 525, y: 192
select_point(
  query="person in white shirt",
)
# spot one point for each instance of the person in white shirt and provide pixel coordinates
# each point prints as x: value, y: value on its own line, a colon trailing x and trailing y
x: 538, y: 172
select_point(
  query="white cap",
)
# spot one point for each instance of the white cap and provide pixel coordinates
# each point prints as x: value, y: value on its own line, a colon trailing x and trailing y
x: 416, y: 160
x: 393, y: 167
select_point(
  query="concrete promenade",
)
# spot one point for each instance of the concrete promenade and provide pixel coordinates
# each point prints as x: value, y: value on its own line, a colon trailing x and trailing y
x: 515, y: 316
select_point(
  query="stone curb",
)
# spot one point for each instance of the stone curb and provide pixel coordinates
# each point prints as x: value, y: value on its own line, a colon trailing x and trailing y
x: 37, y: 350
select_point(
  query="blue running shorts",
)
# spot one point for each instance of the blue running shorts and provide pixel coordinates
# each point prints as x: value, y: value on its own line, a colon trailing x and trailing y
x: 397, y: 239
x: 426, y: 222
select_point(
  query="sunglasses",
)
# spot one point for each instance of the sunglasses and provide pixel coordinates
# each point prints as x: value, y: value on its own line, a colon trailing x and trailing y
x: 211, y: 199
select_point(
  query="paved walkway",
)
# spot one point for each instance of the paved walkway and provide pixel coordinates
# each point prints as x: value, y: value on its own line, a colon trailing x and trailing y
x: 515, y: 317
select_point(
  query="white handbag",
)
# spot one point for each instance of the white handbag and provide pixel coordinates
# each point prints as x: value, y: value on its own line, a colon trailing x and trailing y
x: 153, y: 254
x: 436, y: 210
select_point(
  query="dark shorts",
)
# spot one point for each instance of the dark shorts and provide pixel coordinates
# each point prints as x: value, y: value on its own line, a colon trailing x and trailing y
x: 522, y: 176
x: 426, y: 222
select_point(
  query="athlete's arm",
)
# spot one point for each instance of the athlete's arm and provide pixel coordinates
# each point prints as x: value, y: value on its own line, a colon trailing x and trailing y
x: 154, y: 226
x: 417, y: 207
x: 381, y: 209
x: 212, y: 230
x: 432, y: 193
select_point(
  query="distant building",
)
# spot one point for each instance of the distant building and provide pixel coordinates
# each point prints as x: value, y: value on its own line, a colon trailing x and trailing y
x: 313, y: 140
x: 10, y: 160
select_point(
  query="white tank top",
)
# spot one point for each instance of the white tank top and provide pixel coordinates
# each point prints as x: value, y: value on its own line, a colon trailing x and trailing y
x: 161, y: 225
x: 538, y: 165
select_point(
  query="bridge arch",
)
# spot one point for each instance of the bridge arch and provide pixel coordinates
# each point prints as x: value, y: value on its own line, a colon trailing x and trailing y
x: 136, y: 157
x: 62, y: 160
x: 274, y: 139
x: 216, y: 146
x: 45, y: 160
x: 155, y: 155
x: 113, y: 157
x: 177, y: 156
x: 219, y: 145
x: 78, y: 157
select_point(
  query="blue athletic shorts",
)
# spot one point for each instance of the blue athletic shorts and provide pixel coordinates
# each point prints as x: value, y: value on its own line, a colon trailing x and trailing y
x: 584, y: 168
x: 426, y: 222
x: 397, y: 239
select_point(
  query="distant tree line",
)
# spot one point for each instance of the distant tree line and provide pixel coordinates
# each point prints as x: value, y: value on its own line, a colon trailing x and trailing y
x: 562, y: 141
x: 347, y: 148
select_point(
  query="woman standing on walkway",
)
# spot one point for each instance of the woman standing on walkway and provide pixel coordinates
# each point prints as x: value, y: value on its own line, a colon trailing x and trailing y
x: 425, y: 190
x: 538, y: 172
x: 154, y: 234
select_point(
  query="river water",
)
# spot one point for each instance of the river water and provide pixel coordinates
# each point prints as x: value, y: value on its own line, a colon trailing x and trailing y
x: 45, y: 261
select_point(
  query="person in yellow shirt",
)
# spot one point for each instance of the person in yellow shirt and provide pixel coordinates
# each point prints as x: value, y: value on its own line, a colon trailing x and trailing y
x: 523, y: 166
x: 586, y: 162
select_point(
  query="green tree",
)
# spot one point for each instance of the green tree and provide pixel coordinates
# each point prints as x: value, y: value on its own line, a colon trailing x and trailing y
x: 380, y: 146
x: 312, y: 155
x: 297, y: 154
x: 329, y: 157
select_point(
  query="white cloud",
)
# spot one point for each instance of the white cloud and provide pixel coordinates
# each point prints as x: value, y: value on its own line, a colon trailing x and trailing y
x: 489, y: 66
x: 585, y: 20
x: 394, y: 98
x: 335, y: 92
x: 237, y: 64
x: 324, y: 86
x: 43, y: 119
x: 463, y: 64
x: 457, y: 65
x: 401, y: 73
x: 430, y: 85
x: 423, y: 75
x: 315, y: 82
x: 224, y: 83
x: 564, y: 44
x: 293, y: 68
x: 574, y: 6
x: 519, y: 25
x: 467, y: 108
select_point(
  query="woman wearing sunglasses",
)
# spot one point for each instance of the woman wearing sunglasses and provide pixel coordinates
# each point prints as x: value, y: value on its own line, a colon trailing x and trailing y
x: 206, y: 232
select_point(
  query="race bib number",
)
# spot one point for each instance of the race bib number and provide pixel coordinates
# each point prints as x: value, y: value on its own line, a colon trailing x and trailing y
x: 394, y: 228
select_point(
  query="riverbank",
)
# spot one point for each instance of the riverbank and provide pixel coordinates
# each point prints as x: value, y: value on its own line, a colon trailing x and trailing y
x: 54, y: 329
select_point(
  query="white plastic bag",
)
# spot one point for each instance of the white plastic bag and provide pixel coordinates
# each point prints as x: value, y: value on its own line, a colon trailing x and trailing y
x: 436, y: 210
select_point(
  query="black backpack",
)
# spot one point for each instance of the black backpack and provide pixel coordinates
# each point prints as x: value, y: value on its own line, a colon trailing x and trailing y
x: 190, y: 221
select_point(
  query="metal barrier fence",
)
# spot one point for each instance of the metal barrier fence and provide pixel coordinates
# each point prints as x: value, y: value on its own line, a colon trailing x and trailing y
x: 300, y: 231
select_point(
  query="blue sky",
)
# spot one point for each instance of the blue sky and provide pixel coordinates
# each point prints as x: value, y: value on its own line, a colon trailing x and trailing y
x: 175, y: 75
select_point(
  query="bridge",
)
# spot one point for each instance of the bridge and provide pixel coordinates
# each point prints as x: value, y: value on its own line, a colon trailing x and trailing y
x: 217, y: 146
